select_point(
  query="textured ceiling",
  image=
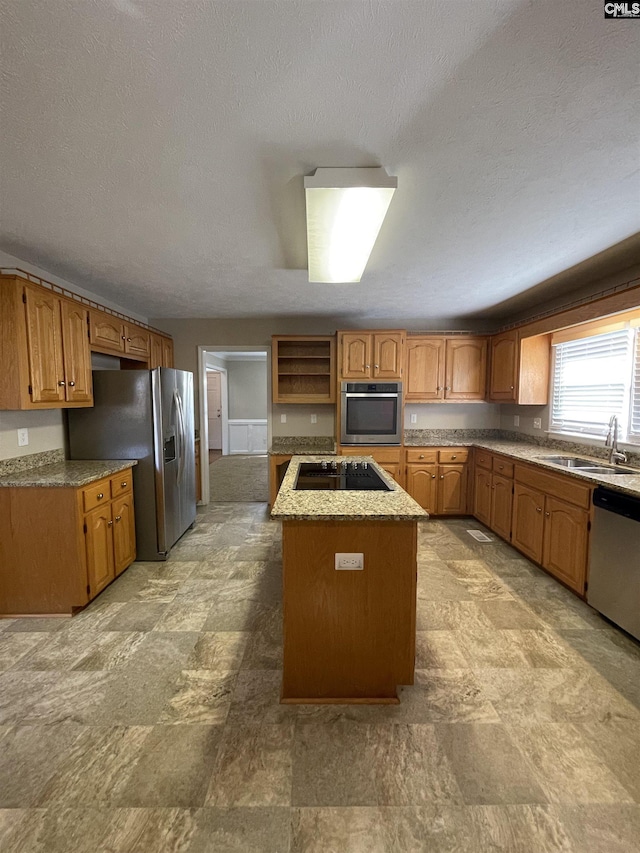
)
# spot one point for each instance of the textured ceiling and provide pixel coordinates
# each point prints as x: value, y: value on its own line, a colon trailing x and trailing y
x: 153, y: 150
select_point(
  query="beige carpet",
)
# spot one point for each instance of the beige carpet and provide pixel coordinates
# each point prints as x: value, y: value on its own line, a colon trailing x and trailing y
x: 239, y: 479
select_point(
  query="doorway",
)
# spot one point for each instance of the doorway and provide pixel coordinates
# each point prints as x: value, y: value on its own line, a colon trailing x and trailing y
x: 235, y: 425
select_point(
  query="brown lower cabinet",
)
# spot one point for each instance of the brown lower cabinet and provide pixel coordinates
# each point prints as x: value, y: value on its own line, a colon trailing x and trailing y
x: 544, y: 515
x: 64, y: 544
x: 437, y: 479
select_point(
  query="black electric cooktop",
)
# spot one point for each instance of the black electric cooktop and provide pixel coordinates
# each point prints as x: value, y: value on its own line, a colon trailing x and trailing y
x: 354, y: 476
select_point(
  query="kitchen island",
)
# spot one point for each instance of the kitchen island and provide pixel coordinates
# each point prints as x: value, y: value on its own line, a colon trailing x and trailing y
x: 349, y: 633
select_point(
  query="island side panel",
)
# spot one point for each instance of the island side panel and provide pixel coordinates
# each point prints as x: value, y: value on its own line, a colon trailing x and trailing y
x: 348, y: 634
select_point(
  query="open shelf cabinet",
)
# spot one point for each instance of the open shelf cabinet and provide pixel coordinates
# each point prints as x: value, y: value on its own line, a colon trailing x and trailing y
x: 303, y: 369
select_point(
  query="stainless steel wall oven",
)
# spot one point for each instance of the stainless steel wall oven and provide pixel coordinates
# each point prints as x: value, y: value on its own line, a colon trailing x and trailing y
x: 371, y: 413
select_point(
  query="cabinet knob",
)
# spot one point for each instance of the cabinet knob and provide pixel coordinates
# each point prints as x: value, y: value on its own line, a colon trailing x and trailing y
x: 448, y: 388
x: 511, y: 387
x: 123, y: 484
x: 442, y: 476
x: 367, y: 366
x: 62, y: 382
x: 376, y: 366
x: 538, y: 509
x: 118, y: 518
x: 453, y: 456
x: 547, y: 514
x: 422, y: 456
x: 123, y: 338
x: 439, y: 388
x: 109, y: 523
x: 100, y: 495
x: 129, y: 339
x: 501, y: 467
x: 72, y: 384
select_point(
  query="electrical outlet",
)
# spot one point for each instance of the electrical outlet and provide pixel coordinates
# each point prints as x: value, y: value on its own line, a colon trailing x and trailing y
x: 314, y: 419
x: 349, y: 561
x: 414, y: 419
x: 23, y: 437
x: 537, y: 423
x: 516, y: 420
x: 283, y: 419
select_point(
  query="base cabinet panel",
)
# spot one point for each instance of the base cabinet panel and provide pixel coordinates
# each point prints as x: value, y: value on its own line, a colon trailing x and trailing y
x: 501, y: 506
x: 452, y: 489
x: 528, y: 521
x: 482, y: 496
x: 422, y: 485
x: 124, y: 534
x: 99, y: 542
x: 565, y: 542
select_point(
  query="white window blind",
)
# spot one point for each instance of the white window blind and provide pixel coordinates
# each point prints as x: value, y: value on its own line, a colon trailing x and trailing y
x: 591, y: 382
x: 634, y: 421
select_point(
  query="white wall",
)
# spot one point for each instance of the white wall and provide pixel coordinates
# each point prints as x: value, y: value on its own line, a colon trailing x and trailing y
x: 452, y: 415
x: 247, y: 389
x: 46, y: 427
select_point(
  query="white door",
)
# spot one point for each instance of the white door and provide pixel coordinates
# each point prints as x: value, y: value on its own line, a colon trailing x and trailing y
x: 214, y: 400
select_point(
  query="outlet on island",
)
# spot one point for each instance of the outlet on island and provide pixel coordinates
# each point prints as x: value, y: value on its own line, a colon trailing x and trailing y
x: 349, y: 562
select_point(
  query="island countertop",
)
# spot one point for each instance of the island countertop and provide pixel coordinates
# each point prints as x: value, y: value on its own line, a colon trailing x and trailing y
x: 318, y: 505
x: 67, y: 474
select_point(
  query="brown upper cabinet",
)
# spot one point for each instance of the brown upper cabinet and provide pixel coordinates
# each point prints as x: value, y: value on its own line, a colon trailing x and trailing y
x: 519, y: 371
x: 445, y: 368
x: 371, y: 355
x: 44, y: 348
x: 111, y: 335
x: 303, y: 369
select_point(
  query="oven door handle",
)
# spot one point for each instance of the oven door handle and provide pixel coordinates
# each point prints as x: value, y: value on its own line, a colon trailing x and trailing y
x: 370, y: 394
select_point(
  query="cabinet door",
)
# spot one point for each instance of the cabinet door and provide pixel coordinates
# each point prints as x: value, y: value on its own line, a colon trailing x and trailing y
x: 136, y: 340
x: 425, y: 369
x: 527, y: 524
x: 565, y: 543
x: 482, y: 496
x: 501, y: 506
x: 452, y: 489
x: 504, y: 367
x: 99, y: 548
x: 124, y: 533
x: 76, y: 352
x: 387, y: 355
x: 422, y: 485
x: 106, y: 332
x: 356, y: 356
x: 44, y: 343
x: 466, y: 369
x: 392, y: 468
x: 156, y: 352
x: 167, y: 352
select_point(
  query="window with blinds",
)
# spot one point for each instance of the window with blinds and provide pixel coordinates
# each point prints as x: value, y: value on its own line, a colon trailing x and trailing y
x: 592, y: 379
x: 634, y: 420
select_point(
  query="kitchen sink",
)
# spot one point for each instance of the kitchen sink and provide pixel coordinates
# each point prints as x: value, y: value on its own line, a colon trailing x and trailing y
x: 587, y: 465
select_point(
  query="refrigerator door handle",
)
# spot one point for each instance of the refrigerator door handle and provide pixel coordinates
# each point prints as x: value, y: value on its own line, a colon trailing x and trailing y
x: 181, y: 433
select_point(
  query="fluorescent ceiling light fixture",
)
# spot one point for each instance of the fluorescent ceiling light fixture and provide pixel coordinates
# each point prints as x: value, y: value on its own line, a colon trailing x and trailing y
x: 345, y: 211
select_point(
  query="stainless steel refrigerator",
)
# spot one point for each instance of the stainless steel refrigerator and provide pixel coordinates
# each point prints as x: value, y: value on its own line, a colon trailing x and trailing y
x: 146, y: 415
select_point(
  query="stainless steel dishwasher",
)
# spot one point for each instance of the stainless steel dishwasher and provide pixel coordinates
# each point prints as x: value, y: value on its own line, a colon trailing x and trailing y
x: 614, y: 572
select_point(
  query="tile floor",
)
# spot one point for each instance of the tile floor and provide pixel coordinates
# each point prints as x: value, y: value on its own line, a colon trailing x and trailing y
x: 150, y: 722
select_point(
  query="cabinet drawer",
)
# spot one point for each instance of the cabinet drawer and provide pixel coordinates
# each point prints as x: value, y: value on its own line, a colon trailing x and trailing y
x: 380, y: 454
x: 95, y: 495
x: 453, y: 454
x: 420, y: 454
x: 502, y: 466
x: 121, y: 483
x: 483, y: 459
x: 554, y: 485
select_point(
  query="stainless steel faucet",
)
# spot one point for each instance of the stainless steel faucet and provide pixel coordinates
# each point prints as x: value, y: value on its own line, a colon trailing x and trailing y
x: 611, y: 441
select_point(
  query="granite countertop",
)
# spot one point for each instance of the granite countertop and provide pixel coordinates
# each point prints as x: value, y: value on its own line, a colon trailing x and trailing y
x: 302, y: 445
x: 318, y: 505
x: 68, y: 473
x: 626, y: 483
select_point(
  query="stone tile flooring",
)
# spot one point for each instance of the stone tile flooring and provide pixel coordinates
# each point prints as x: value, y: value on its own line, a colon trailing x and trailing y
x: 150, y: 722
